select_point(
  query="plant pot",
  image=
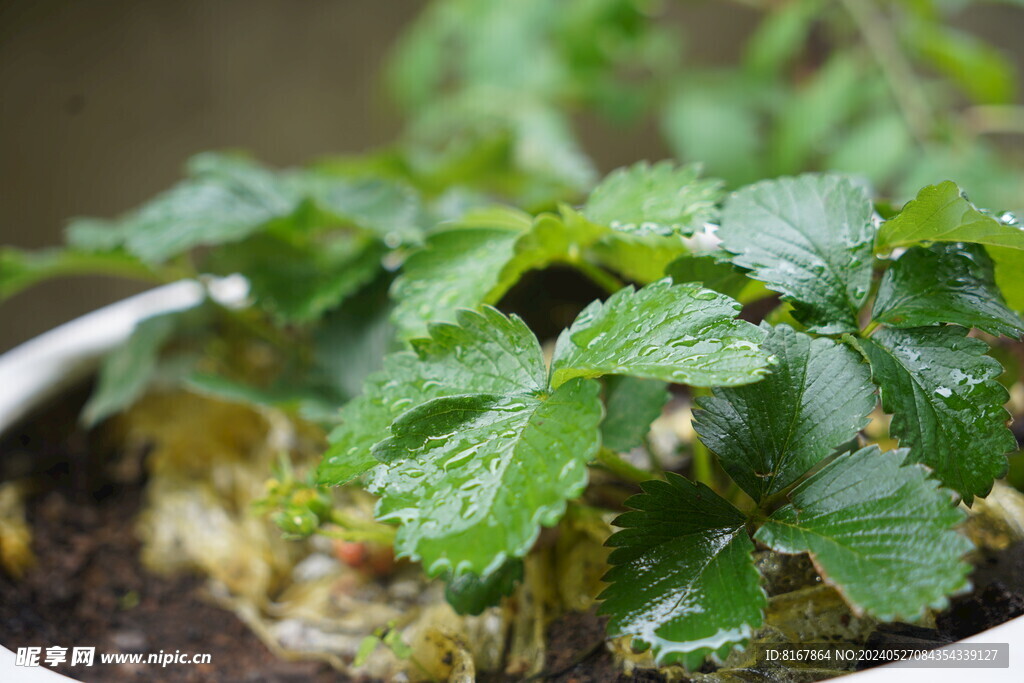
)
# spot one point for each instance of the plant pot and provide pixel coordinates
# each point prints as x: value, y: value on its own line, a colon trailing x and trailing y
x: 39, y: 370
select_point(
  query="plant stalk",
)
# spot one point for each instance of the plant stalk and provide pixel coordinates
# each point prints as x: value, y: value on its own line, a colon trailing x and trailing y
x: 621, y: 468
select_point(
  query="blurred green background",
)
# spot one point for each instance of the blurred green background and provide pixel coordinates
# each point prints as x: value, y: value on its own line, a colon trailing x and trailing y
x: 103, y: 102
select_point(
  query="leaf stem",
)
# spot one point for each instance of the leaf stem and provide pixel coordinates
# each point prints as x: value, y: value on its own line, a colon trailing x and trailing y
x: 869, y: 329
x: 622, y: 469
x: 702, y: 468
x: 599, y: 276
x: 358, y: 529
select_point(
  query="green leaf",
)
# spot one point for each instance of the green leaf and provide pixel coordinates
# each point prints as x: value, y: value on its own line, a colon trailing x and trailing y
x: 631, y: 405
x: 1009, y: 265
x: 711, y: 271
x: 456, y: 269
x: 810, y: 239
x: 472, y: 478
x: 127, y: 370
x: 676, y: 333
x: 299, y: 282
x: 683, y: 580
x: 946, y: 283
x: 879, y: 531
x: 472, y: 594
x: 662, y: 199
x: 467, y: 266
x: 767, y: 435
x: 638, y: 258
x: 941, y: 213
x: 20, y: 269
x: 485, y: 353
x: 226, y: 199
x: 946, y: 405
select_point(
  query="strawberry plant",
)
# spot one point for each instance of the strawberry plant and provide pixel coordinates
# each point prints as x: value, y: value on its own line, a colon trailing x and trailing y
x: 802, y: 315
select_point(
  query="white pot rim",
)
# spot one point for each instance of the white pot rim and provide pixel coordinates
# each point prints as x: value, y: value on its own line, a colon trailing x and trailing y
x: 38, y: 370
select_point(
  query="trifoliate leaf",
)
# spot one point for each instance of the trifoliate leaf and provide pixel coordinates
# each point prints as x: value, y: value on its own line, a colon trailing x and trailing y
x: 297, y: 281
x: 676, y: 333
x: 879, y: 531
x: 809, y: 238
x: 941, y: 213
x: 710, y: 271
x: 472, y: 594
x: 631, y: 405
x: 472, y: 478
x: 662, y: 199
x: 946, y: 405
x: 768, y: 435
x: 485, y: 353
x: 683, y: 580
x: 127, y: 370
x: 946, y: 283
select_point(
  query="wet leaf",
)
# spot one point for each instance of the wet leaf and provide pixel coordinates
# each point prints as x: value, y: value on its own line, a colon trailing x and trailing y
x: 878, y: 530
x: 675, y: 333
x: 485, y: 353
x: 662, y: 199
x: 638, y: 258
x: 455, y: 269
x: 941, y: 213
x: 767, y: 435
x: 683, y: 579
x: 709, y: 270
x: 946, y: 404
x: 472, y: 478
x: 809, y: 238
x: 631, y: 405
x: 946, y: 283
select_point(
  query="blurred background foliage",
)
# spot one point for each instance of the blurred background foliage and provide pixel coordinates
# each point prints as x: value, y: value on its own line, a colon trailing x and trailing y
x: 528, y: 101
x: 895, y: 92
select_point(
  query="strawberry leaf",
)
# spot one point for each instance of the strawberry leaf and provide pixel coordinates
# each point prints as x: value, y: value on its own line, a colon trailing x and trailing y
x: 661, y: 199
x: 767, y: 435
x: 946, y: 283
x: 809, y: 238
x: 675, y: 333
x: 682, y: 577
x: 485, y: 353
x: 946, y: 405
x: 472, y: 478
x: 879, y: 531
x: 631, y: 405
x: 941, y: 213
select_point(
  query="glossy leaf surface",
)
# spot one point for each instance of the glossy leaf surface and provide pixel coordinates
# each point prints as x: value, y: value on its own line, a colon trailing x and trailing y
x: 946, y: 283
x: 946, y: 405
x: 767, y: 435
x: 809, y: 238
x: 682, y: 577
x: 879, y: 531
x: 676, y: 333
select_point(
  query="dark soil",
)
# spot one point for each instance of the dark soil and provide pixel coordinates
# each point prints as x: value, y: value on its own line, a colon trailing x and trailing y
x: 89, y: 588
